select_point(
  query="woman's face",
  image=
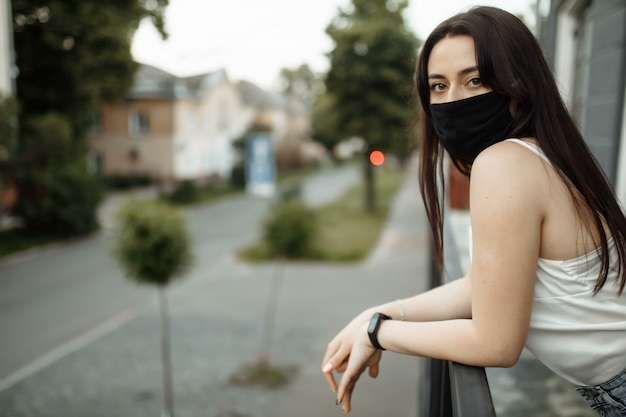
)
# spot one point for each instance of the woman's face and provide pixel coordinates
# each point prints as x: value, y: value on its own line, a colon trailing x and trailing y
x: 453, y: 71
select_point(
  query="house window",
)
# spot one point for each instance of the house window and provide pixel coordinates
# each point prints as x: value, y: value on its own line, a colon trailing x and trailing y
x: 138, y: 123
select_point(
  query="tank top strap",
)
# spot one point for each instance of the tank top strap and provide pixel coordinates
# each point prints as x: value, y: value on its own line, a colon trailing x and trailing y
x: 532, y: 147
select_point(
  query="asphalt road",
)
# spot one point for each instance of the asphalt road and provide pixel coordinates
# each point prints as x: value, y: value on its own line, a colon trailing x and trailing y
x: 55, y: 299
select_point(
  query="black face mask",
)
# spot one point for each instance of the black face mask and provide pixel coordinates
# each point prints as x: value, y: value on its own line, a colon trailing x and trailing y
x: 469, y: 126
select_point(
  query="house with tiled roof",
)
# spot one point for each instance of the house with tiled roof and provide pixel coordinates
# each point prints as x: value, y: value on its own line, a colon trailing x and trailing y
x: 171, y: 128
x: 175, y: 128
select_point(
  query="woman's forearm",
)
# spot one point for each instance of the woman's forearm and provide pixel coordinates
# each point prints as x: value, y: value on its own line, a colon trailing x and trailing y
x: 458, y: 340
x: 446, y: 302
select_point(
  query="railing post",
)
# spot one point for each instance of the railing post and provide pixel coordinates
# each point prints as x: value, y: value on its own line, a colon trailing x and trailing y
x: 451, y: 389
x: 469, y: 389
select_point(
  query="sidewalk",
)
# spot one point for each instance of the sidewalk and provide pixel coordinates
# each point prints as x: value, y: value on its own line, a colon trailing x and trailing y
x: 216, y: 319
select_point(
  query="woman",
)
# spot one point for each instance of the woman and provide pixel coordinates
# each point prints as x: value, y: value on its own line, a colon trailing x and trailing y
x: 548, y: 235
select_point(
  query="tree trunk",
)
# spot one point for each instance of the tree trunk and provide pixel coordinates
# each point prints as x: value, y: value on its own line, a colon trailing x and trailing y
x: 168, y: 392
x: 370, y: 183
x: 270, y: 311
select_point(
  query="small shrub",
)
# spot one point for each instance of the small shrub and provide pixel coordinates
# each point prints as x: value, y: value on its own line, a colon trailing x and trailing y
x: 185, y: 192
x: 152, y: 242
x: 154, y: 248
x: 126, y: 182
x: 290, y: 230
x: 238, y: 177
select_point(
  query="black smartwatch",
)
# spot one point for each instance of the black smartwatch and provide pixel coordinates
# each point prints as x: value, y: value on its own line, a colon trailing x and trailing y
x: 372, y: 329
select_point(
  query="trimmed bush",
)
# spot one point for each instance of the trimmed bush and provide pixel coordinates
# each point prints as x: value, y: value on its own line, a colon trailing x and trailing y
x: 185, y: 192
x: 153, y: 247
x: 238, y: 176
x: 290, y: 230
x: 152, y: 242
x: 126, y: 182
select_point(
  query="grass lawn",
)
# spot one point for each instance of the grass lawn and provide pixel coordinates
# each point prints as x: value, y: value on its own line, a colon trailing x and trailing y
x: 346, y: 231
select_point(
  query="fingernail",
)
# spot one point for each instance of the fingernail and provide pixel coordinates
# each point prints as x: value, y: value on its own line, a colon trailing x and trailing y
x: 328, y: 367
x: 345, y: 409
x: 336, y: 401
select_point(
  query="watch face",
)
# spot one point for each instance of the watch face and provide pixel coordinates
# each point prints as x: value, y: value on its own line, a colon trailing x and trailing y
x: 374, y: 323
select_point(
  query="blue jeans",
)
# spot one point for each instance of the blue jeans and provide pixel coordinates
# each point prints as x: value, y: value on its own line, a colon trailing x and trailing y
x: 608, y: 399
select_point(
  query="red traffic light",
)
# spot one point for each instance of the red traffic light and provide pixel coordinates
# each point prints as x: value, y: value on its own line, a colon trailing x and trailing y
x: 377, y: 158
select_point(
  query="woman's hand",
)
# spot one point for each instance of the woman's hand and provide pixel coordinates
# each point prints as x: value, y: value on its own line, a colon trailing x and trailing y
x: 350, y: 352
x: 338, y: 350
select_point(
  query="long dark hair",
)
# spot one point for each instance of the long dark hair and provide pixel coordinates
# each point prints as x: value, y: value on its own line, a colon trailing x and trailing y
x: 511, y: 62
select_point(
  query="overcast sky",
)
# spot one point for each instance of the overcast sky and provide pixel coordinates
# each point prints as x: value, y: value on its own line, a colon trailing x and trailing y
x: 253, y: 39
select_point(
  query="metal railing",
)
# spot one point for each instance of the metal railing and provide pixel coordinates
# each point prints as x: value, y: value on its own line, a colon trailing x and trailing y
x: 451, y: 389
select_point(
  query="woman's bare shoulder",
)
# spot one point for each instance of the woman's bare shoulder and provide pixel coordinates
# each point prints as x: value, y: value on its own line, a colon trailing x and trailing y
x: 509, y: 170
x: 509, y: 161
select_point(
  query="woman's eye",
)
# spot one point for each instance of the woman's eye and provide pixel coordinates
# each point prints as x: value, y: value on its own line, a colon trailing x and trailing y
x: 475, y: 82
x: 438, y: 87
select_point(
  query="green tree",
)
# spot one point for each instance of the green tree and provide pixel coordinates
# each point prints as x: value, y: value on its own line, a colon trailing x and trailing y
x: 56, y: 197
x: 154, y: 248
x: 325, y: 121
x: 72, y: 56
x: 370, y: 78
x: 302, y: 82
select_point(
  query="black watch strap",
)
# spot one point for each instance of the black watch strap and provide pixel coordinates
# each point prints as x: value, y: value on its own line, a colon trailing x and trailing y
x: 372, y: 329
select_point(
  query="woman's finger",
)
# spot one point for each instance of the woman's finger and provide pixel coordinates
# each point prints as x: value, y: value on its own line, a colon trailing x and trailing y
x: 374, y: 369
x: 331, y: 350
x: 337, y: 363
x: 344, y: 394
x: 347, y: 399
x: 341, y: 368
x: 329, y: 376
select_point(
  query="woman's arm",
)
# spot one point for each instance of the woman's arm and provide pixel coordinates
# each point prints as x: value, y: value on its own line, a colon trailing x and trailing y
x: 507, y: 199
x: 449, y: 301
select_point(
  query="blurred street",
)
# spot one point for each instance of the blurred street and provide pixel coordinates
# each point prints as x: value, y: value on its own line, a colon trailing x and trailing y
x: 78, y: 339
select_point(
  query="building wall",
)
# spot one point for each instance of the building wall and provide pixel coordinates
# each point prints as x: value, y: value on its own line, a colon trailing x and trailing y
x: 121, y: 152
x: 188, y: 137
x: 605, y: 96
x: 587, y: 45
x: 205, y: 131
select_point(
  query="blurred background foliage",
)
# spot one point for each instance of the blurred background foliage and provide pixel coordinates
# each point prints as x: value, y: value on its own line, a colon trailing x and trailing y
x: 72, y: 56
x: 368, y: 86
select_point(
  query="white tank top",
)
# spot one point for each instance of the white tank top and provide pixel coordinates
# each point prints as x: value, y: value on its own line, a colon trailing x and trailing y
x: 580, y: 336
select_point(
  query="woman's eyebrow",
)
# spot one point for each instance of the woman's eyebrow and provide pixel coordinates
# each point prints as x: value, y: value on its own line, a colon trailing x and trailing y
x: 465, y: 71
x: 468, y: 70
